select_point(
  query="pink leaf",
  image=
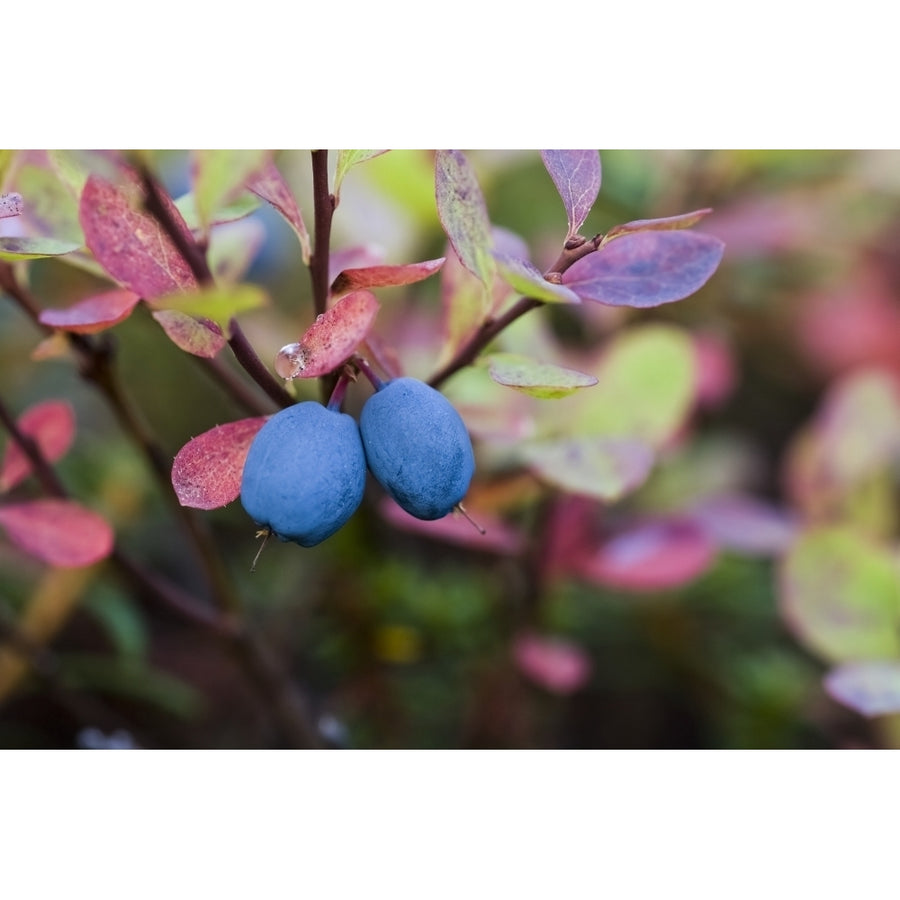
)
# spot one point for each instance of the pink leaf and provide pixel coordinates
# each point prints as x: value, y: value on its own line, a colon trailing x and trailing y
x: 207, y: 470
x: 576, y: 174
x: 58, y: 532
x: 455, y: 529
x: 555, y: 664
x: 51, y: 425
x: 92, y: 314
x: 653, y: 555
x: 358, y: 257
x: 384, y: 276
x: 331, y: 339
x: 646, y: 268
x: 201, y: 337
x: 130, y: 244
x: 269, y: 184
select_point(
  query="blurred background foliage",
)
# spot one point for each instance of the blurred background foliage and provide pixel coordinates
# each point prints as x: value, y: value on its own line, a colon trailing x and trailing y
x: 402, y: 640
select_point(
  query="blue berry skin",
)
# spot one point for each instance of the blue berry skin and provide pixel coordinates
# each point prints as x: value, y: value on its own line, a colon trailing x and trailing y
x: 417, y: 447
x: 305, y: 473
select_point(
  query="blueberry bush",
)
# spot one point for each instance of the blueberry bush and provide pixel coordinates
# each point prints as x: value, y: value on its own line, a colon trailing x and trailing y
x: 416, y: 449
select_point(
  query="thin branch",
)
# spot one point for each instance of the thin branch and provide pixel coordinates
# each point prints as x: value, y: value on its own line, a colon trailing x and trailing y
x: 575, y: 249
x: 323, y: 201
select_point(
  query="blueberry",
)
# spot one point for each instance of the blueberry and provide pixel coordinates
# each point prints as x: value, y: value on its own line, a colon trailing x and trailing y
x: 417, y: 447
x: 305, y: 473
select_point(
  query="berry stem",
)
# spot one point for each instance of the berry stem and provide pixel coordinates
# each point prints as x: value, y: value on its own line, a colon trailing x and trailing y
x: 337, y: 395
x: 369, y: 372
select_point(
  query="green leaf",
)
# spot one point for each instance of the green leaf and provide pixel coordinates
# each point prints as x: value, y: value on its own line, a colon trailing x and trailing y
x: 528, y: 281
x: 14, y: 248
x: 463, y: 214
x: 645, y: 389
x: 840, y: 595
x: 346, y: 159
x: 219, y: 175
x: 218, y: 304
x: 670, y: 223
x: 543, y: 380
x: 51, y: 207
x: 239, y: 208
x: 605, y: 468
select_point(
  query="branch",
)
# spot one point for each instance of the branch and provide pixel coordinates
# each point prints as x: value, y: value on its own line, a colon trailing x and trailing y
x: 323, y: 202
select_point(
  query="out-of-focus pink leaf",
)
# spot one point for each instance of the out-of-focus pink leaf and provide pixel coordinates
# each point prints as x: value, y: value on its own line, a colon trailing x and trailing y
x: 839, y: 593
x: 646, y: 269
x: 360, y: 257
x: 269, y: 184
x: 51, y: 425
x: 576, y: 174
x: 537, y: 379
x: 654, y: 555
x: 331, y: 339
x: 528, y: 281
x: 16, y: 248
x: 10, y: 205
x: 463, y: 214
x: 455, y: 529
x: 200, y: 337
x: 555, y: 664
x: 870, y: 688
x: 207, y: 470
x: 715, y: 369
x: 384, y: 276
x: 92, y: 314
x: 59, y: 532
x: 745, y: 524
x: 593, y: 466
x: 670, y: 223
x: 129, y: 243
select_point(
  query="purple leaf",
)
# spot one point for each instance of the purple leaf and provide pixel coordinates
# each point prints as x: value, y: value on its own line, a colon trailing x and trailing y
x: 576, y: 174
x: 646, y: 268
x: 745, y: 524
x: 670, y: 223
x: 269, y: 184
x: 870, y: 688
x: 10, y: 205
x: 463, y: 214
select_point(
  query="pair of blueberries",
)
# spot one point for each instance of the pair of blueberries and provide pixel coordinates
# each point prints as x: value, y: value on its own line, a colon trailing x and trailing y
x: 306, y: 469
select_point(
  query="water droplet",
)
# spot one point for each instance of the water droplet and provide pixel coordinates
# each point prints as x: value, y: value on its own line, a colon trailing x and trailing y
x: 320, y: 318
x: 291, y: 360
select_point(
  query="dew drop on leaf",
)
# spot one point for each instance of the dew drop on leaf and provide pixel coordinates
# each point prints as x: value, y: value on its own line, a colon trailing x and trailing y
x: 291, y: 360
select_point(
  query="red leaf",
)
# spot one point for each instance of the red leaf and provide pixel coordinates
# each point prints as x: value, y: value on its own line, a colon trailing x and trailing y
x: 58, y: 532
x: 576, y: 174
x: 129, y: 243
x: 269, y: 184
x: 92, y: 314
x: 555, y: 664
x: 331, y: 339
x: 207, y: 470
x: 197, y: 336
x: 455, y: 529
x: 384, y: 276
x: 51, y: 425
x: 358, y: 257
x: 646, y: 268
x: 654, y: 555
